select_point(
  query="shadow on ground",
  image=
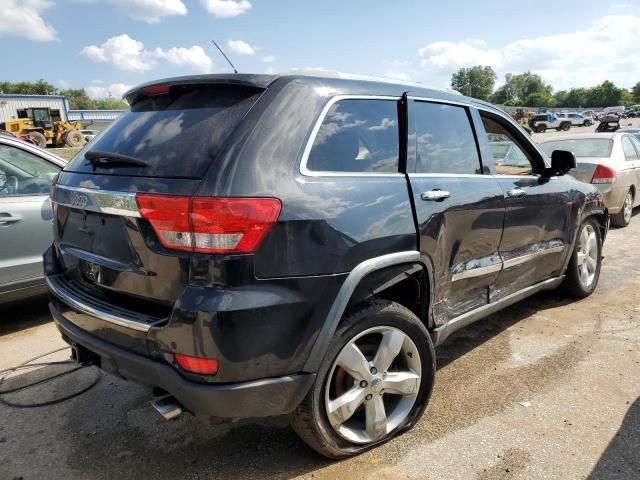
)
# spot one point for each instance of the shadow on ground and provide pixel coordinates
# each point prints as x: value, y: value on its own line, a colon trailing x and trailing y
x: 621, y: 459
x: 25, y: 314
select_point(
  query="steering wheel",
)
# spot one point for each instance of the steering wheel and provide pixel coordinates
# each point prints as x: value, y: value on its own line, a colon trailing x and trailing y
x: 10, y: 185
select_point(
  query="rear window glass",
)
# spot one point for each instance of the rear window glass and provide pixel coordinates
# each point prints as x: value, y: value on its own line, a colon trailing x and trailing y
x: 178, y: 134
x: 583, y: 147
x: 357, y: 136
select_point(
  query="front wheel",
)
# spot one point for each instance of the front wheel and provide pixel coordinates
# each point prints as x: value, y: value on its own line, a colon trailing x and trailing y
x: 583, y: 270
x: 373, y: 384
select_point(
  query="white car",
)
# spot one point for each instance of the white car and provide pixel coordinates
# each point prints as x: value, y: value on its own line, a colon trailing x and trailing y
x: 577, y: 119
x: 88, y: 134
x: 26, y: 172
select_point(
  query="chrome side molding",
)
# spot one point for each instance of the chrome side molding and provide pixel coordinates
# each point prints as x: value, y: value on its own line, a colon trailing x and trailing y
x: 101, y: 201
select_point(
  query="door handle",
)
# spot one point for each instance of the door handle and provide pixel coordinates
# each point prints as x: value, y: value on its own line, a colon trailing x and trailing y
x: 516, y: 193
x: 434, y: 195
x: 9, y: 218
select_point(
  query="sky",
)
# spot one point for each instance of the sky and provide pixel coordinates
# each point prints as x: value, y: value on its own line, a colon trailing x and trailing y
x: 108, y: 46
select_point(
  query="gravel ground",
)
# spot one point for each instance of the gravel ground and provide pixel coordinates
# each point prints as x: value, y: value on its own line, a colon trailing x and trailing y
x: 546, y: 389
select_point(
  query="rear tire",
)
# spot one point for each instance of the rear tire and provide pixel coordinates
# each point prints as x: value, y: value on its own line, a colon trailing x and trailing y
x: 565, y: 127
x: 623, y: 217
x: 541, y: 128
x: 73, y: 138
x: 382, y: 334
x: 40, y: 139
x: 583, y: 270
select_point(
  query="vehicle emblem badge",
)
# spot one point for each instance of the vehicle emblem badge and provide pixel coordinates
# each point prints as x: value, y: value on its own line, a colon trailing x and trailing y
x: 79, y: 199
x: 91, y: 271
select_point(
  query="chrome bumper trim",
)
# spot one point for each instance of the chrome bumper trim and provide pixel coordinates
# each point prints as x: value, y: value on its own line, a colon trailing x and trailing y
x: 63, y: 295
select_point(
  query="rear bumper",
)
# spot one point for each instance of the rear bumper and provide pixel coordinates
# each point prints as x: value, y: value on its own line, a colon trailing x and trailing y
x: 259, y: 398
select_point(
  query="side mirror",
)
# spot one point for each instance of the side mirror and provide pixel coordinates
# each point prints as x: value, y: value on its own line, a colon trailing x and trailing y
x: 562, y: 162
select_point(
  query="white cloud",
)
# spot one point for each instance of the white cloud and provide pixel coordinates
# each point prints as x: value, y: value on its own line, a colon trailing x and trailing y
x: 269, y: 59
x: 606, y: 50
x: 240, y: 47
x: 115, y: 90
x: 227, y: 8
x: 128, y: 54
x: 194, y: 58
x: 150, y: 11
x: 63, y: 84
x: 122, y: 52
x: 21, y: 18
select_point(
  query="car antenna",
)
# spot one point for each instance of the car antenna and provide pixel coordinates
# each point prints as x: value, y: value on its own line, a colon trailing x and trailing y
x: 225, y: 56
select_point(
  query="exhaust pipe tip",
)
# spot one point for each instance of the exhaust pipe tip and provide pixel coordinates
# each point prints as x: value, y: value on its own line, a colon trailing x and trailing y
x: 168, y: 407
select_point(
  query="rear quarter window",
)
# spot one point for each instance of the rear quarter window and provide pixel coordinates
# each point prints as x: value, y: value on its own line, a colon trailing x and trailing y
x: 179, y: 134
x: 357, y: 135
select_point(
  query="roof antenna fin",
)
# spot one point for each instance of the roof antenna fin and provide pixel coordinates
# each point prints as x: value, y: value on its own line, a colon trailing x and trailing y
x: 225, y: 57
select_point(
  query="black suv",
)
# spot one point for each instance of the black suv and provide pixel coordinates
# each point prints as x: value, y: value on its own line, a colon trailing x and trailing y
x: 252, y: 245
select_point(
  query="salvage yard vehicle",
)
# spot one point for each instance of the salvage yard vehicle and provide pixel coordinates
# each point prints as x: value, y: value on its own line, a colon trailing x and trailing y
x: 611, y: 161
x: 545, y: 121
x: 576, y: 119
x: 26, y: 173
x: 45, y: 127
x: 307, y: 254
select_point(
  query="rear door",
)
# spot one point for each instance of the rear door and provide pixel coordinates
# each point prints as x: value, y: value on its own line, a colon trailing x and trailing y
x: 25, y: 214
x: 631, y: 148
x: 538, y: 219
x: 459, y: 208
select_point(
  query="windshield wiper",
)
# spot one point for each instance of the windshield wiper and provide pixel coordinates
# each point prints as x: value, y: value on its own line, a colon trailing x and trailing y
x: 97, y: 158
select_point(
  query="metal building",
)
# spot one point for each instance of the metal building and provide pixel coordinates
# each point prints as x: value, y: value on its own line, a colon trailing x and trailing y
x: 9, y: 104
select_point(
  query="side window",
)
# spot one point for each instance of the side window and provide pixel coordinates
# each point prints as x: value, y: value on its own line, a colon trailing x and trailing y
x: 508, y: 156
x: 629, y: 151
x: 442, y: 139
x: 357, y: 136
x: 22, y: 173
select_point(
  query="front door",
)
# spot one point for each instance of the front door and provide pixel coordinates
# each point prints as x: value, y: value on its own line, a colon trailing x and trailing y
x: 459, y: 209
x: 538, y: 217
x: 25, y: 215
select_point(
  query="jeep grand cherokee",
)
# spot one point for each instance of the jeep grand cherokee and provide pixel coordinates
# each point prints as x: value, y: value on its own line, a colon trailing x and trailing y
x: 252, y: 245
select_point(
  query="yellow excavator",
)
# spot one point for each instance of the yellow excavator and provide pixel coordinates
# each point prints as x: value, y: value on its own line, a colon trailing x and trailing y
x: 46, y: 127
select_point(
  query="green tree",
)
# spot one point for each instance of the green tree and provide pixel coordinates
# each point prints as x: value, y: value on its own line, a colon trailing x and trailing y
x: 520, y: 86
x: 78, y: 99
x: 476, y: 82
x: 635, y: 91
x: 540, y: 99
x: 604, y: 95
x: 110, y: 104
x: 41, y: 87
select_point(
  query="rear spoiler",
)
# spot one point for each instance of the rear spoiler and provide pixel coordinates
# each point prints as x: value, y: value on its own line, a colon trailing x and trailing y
x: 259, y: 82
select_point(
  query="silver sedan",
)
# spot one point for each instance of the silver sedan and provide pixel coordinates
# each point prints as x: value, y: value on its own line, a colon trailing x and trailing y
x: 611, y: 161
x: 26, y: 172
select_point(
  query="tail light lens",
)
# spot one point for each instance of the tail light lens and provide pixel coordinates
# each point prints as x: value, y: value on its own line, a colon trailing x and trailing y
x: 208, y: 224
x: 603, y: 175
x: 203, y: 366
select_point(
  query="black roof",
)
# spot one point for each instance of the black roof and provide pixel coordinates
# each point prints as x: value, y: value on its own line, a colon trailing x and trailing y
x: 343, y: 84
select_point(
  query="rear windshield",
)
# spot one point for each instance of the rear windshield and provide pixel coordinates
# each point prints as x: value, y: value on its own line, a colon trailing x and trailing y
x: 583, y: 147
x: 178, y: 134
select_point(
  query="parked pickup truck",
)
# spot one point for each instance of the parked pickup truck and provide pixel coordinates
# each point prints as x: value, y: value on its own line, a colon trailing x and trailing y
x: 544, y: 121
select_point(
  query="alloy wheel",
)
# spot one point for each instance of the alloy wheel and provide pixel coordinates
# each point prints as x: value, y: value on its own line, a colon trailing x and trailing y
x: 373, y: 384
x: 587, y: 255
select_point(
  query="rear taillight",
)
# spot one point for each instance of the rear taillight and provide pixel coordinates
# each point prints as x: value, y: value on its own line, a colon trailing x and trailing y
x: 204, y: 366
x: 603, y: 174
x: 208, y: 224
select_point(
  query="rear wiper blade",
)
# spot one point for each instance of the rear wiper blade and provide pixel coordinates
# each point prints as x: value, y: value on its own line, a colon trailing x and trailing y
x: 97, y: 157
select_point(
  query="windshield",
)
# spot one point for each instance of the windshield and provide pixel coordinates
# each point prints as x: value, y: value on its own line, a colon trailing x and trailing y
x: 582, y: 147
x: 178, y: 134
